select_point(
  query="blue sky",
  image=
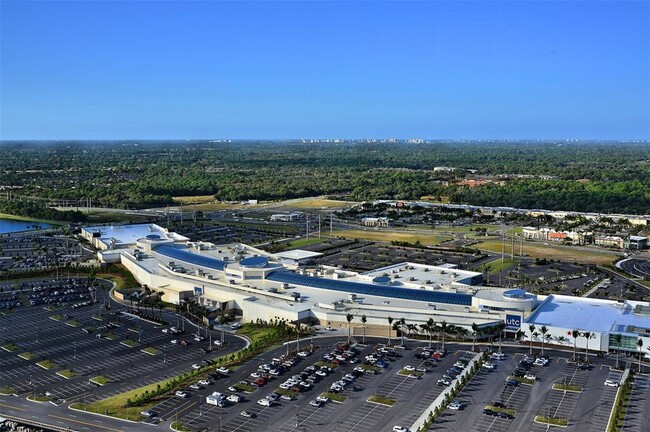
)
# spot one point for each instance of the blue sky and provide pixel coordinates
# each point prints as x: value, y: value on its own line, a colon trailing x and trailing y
x: 336, y: 69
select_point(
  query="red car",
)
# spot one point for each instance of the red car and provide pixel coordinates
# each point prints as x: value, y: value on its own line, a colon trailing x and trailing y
x: 260, y: 381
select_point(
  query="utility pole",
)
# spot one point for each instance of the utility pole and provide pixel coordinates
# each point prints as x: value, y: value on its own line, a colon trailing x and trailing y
x: 307, y: 225
x: 319, y: 226
x: 503, y: 247
x: 512, y: 255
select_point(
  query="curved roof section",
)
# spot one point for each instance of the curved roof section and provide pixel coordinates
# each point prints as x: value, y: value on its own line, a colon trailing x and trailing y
x: 256, y: 262
x: 189, y: 257
x: 372, y: 290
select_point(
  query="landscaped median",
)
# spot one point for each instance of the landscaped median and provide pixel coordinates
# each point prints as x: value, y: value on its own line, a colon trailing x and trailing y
x: 366, y: 367
x: 335, y: 397
x: 382, y: 400
x: 130, y: 343
x: 6, y: 391
x: 73, y: 323
x: 431, y: 414
x: 179, y: 427
x: 404, y: 372
x: 46, y: 364
x: 128, y: 405
x: 551, y: 421
x: 27, y: 355
x: 10, y: 347
x: 151, y: 351
x: 567, y: 387
x: 66, y: 373
x: 498, y: 409
x: 617, y: 415
x: 327, y: 364
x: 56, y: 317
x: 100, y: 380
x: 521, y: 380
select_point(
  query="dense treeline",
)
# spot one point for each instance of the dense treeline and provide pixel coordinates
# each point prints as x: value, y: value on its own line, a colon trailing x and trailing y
x: 39, y: 210
x: 605, y: 177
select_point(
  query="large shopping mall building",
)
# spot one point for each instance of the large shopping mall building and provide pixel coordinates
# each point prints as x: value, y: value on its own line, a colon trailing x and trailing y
x: 286, y: 286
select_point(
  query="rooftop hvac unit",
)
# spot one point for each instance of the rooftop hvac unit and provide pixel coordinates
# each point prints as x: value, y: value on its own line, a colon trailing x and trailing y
x: 352, y: 297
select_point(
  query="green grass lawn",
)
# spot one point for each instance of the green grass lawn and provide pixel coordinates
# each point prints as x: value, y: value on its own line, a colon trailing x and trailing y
x: 296, y: 244
x: 328, y: 364
x: 66, y: 373
x: 46, y: 364
x: 336, y: 397
x: 110, y: 336
x: 496, y: 265
x: 253, y: 332
x: 101, y: 380
x: 285, y: 392
x: 38, y: 398
x: 151, y: 351
x: 522, y: 380
x: 56, y: 317
x: 370, y: 367
x: 245, y: 388
x: 130, y: 343
x: 382, y: 400
x: 569, y: 388
x: 551, y: 421
x: 27, y: 355
x: 404, y: 372
x: 180, y: 427
x: 10, y: 347
x: 497, y: 409
x: 7, y: 391
x: 73, y: 323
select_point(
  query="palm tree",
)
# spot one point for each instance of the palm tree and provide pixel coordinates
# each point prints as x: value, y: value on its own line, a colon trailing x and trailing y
x: 402, y: 326
x: 411, y: 328
x: 390, y: 328
x: 588, y: 335
x: 520, y: 334
x: 474, y: 332
x: 617, y: 338
x: 443, y: 330
x: 364, y: 320
x: 532, y: 331
x: 639, y: 344
x: 349, y: 317
x: 544, y: 331
x: 575, y: 333
x: 430, y: 326
x: 501, y: 326
x: 561, y: 340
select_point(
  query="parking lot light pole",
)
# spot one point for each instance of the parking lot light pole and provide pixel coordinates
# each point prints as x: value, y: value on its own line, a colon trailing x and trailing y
x: 164, y: 354
x: 74, y: 348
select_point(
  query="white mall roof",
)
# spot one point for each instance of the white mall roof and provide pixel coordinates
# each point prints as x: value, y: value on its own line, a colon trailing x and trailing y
x: 297, y: 254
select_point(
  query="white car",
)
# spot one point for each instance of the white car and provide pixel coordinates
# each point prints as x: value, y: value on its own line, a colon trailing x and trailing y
x: 217, y: 343
x: 323, y: 399
x: 456, y: 406
x: 196, y: 366
x: 223, y: 370
x: 255, y: 375
x: 232, y: 389
x: 182, y: 394
x: 286, y: 397
x: 400, y: 429
x: 205, y: 382
x: 303, y: 353
x: 488, y: 365
x: 498, y: 356
x: 272, y: 397
x: 234, y: 398
x: 329, y: 328
x: 174, y: 341
x: 611, y: 383
x: 409, y: 368
x: 531, y: 377
x: 265, y: 402
x: 315, y: 403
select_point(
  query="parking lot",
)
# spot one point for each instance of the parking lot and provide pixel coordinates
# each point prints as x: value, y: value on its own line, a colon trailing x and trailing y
x: 412, y: 396
x: 89, y: 341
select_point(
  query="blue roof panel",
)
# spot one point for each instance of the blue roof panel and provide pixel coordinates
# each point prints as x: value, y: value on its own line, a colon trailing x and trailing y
x: 369, y: 289
x: 191, y: 258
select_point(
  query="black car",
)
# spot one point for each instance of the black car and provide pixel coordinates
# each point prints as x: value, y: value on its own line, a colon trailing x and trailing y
x: 505, y: 415
x: 519, y: 373
x: 488, y: 411
x: 499, y: 404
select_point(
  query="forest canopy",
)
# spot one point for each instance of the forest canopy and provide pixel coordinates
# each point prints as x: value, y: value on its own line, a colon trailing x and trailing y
x: 604, y: 177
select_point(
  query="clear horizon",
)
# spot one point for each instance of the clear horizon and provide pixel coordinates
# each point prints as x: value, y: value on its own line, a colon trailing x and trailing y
x: 171, y: 70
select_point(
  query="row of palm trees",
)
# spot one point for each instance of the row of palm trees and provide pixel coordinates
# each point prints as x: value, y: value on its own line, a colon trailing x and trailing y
x: 575, y: 333
x: 430, y: 328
